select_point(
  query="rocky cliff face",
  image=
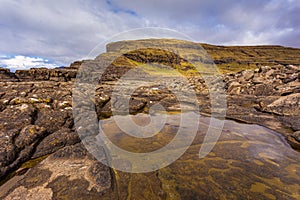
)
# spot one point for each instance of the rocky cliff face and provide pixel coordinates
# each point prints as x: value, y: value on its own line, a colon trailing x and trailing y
x: 40, y: 74
x: 36, y: 111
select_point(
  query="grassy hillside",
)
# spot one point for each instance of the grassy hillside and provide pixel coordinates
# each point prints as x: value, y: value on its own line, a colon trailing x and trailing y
x: 227, y: 58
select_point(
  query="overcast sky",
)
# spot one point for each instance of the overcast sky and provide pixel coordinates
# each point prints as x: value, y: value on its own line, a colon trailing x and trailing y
x: 42, y: 32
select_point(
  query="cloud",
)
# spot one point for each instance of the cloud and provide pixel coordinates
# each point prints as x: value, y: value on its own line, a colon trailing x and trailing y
x: 24, y: 62
x: 69, y: 30
x: 225, y: 22
x: 63, y: 31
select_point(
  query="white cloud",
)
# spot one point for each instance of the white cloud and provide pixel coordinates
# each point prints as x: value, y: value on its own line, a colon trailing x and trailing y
x: 64, y: 31
x: 243, y: 22
x: 24, y: 62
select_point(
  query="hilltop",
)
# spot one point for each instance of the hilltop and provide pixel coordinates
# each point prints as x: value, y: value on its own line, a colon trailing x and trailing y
x: 227, y: 58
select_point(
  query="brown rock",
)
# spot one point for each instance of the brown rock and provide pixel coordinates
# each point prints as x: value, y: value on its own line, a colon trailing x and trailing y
x: 294, y: 140
x: 287, y: 105
x: 263, y: 89
x: 6, y: 75
x: 248, y: 74
x: 234, y: 88
x: 70, y: 173
x: 258, y: 80
x: 54, y: 120
x: 270, y: 73
x: 57, y: 140
x: 28, y: 135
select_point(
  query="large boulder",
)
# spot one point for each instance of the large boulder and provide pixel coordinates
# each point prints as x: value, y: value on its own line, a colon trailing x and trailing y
x: 286, y: 105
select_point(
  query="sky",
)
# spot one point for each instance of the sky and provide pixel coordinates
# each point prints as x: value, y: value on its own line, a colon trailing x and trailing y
x: 43, y: 33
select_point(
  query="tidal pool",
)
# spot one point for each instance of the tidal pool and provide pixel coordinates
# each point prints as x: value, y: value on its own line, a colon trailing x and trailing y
x: 247, y: 162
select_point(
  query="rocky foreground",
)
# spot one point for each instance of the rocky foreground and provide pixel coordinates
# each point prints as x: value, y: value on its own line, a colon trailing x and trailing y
x: 36, y: 121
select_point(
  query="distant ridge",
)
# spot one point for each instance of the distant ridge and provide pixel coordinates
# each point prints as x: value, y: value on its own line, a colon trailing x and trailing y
x: 227, y: 58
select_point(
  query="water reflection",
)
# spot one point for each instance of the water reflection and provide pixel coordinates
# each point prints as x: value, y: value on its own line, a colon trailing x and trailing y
x: 248, y: 162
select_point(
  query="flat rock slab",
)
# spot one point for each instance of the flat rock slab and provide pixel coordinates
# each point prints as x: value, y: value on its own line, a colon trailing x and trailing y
x: 70, y: 173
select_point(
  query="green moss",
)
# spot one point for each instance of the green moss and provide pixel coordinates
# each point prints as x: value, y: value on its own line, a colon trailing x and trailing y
x: 33, y: 162
x: 155, y: 70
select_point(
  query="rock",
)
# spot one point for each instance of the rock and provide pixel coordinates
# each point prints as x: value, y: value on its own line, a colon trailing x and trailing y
x: 296, y: 135
x: 6, y: 75
x: 36, y: 108
x: 287, y: 105
x: 64, y: 104
x: 53, y: 120
x: 17, y: 147
x: 28, y: 135
x: 290, y: 78
x: 263, y: 89
x: 294, y: 140
x: 57, y: 140
x: 270, y: 73
x: 248, y: 74
x: 36, y: 193
x: 293, y: 67
x: 12, y: 121
x: 7, y: 150
x: 43, y: 74
x: 265, y: 69
x: 70, y: 173
x: 289, y: 88
x: 258, y: 80
x: 234, y: 88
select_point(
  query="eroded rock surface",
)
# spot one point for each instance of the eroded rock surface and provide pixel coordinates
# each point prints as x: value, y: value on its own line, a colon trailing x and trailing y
x: 31, y: 112
x: 36, y: 108
x: 70, y: 172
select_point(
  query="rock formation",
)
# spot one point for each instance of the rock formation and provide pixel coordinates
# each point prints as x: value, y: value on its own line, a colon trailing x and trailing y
x: 36, y: 122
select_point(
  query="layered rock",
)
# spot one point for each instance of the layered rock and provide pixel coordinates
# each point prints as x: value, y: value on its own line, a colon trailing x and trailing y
x: 36, y: 108
x: 40, y: 74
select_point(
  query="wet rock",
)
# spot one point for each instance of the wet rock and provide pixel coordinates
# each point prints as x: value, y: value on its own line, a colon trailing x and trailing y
x: 296, y: 135
x: 294, y: 140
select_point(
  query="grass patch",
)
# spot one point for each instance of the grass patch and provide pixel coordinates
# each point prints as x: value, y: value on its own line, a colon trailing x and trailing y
x: 228, y: 59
